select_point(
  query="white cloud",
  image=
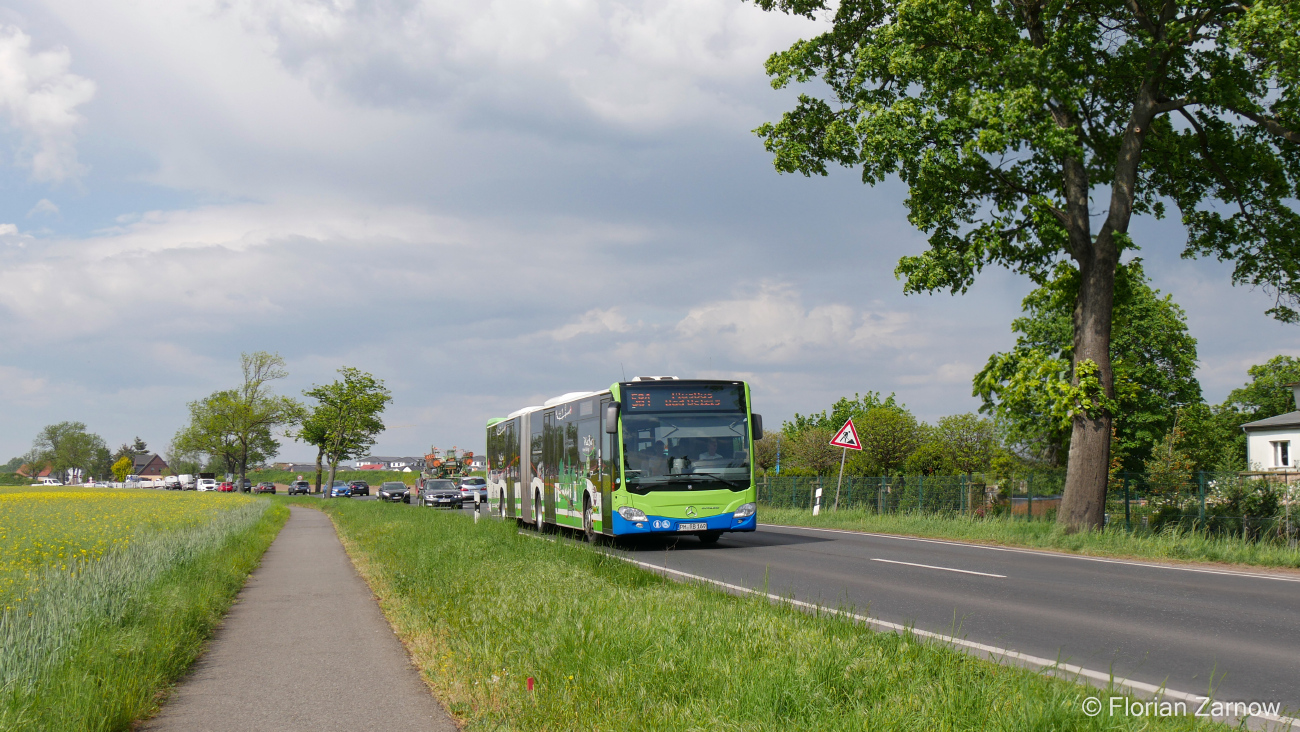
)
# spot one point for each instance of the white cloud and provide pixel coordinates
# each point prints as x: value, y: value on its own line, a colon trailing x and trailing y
x: 43, y: 207
x: 773, y: 325
x: 640, y: 64
x: 40, y: 96
x: 592, y: 322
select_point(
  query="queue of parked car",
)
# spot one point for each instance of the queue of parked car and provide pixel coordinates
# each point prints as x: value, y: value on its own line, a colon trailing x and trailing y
x: 427, y: 492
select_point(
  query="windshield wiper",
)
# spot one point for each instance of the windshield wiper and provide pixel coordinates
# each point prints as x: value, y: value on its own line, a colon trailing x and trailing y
x: 698, y: 478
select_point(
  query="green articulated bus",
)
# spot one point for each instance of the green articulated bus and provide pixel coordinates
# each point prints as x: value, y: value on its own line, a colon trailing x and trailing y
x: 654, y: 455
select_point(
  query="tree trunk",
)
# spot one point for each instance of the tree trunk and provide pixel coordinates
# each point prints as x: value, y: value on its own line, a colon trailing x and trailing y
x: 329, y: 485
x: 1084, y: 502
x: 320, y: 451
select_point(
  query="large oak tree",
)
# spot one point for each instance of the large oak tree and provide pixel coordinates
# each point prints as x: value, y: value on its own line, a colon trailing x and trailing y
x: 1030, y: 132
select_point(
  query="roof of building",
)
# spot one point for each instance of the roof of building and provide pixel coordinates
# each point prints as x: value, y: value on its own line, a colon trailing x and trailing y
x: 1290, y: 419
x: 146, y: 458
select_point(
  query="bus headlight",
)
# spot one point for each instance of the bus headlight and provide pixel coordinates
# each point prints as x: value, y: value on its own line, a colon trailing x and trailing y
x: 631, y: 514
x: 746, y: 510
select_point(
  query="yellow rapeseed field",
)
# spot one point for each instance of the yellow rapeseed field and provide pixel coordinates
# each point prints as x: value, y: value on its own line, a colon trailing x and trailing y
x: 42, y: 528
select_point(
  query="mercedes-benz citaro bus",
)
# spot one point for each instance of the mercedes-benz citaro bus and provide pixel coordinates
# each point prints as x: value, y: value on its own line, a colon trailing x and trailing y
x: 654, y: 455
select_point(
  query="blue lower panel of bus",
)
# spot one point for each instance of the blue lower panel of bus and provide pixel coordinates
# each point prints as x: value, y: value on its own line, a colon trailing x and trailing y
x: 661, y: 525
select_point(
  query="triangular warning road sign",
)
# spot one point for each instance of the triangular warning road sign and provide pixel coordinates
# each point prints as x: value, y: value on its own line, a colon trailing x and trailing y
x: 847, y: 437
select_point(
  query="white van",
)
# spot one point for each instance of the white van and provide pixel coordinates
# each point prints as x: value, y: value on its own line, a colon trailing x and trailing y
x: 48, y: 481
x: 187, y: 482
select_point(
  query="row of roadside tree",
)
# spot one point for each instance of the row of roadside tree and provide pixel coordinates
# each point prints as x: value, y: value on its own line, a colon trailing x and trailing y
x: 229, y: 431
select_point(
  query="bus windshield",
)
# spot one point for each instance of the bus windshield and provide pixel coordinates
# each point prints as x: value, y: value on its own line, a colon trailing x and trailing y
x: 683, y: 451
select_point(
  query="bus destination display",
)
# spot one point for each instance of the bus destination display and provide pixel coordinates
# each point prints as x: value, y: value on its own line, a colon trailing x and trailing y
x: 674, y: 398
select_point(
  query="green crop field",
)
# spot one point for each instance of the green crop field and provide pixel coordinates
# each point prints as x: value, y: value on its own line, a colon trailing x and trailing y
x: 611, y: 647
x: 108, y: 596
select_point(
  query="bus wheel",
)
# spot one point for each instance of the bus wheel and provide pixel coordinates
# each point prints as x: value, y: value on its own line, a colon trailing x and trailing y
x: 537, y: 513
x: 589, y: 524
x: 710, y: 538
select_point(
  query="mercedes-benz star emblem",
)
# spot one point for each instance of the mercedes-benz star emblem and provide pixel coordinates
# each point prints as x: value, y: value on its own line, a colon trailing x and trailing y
x: 690, y: 511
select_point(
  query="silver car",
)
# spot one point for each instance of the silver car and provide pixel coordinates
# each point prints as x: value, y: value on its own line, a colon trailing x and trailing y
x: 441, y: 494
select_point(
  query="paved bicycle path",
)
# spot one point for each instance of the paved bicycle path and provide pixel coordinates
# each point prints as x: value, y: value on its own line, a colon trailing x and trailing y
x: 305, y: 647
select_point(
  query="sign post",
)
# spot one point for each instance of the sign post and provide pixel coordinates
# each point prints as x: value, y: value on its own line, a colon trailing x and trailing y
x: 846, y: 438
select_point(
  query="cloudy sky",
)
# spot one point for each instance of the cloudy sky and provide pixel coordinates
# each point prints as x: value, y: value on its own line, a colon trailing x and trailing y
x: 483, y: 203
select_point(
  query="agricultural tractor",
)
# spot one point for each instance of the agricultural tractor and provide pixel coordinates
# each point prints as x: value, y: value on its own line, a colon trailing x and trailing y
x: 451, y: 463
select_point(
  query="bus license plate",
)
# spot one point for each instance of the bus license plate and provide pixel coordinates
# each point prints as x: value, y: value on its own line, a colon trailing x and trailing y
x: 692, y: 527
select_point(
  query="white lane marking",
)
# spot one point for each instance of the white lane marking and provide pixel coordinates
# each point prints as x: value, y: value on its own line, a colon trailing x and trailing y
x: 1042, y: 553
x: 994, y: 652
x: 946, y: 569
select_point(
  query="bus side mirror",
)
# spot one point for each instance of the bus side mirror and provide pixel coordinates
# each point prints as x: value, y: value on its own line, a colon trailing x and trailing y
x: 757, y: 422
x: 611, y: 418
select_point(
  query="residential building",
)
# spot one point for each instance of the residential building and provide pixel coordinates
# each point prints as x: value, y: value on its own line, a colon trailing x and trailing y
x: 404, y: 464
x: 149, y: 465
x: 1271, y: 443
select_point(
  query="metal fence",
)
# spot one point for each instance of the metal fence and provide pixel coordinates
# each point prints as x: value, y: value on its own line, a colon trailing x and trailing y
x: 1250, y: 505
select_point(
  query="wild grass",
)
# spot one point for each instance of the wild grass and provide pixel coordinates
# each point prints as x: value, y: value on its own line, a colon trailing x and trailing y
x: 1171, y: 543
x: 96, y: 639
x: 612, y: 647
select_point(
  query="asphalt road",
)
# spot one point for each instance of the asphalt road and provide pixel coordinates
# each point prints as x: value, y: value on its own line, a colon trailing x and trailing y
x: 1184, y: 628
x: 304, y: 648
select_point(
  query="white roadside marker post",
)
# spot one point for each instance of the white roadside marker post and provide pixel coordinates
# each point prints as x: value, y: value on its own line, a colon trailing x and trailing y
x: 817, y: 498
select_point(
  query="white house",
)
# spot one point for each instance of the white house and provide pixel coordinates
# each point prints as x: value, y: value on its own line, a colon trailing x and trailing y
x: 1271, y: 443
x: 405, y: 464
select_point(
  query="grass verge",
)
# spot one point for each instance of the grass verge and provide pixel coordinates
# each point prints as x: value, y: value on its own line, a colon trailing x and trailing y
x: 1171, y: 544
x: 611, y: 647
x: 98, y: 647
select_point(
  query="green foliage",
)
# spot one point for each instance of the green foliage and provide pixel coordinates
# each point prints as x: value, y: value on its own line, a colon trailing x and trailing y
x: 1169, y: 469
x: 1212, y: 435
x: 346, y: 419
x: 12, y: 466
x: 931, y: 457
x: 1000, y: 117
x: 969, y: 441
x: 122, y: 468
x: 67, y: 446
x: 1268, y: 393
x: 841, y: 411
x: 889, y: 436
x: 233, y: 428
x: 1011, y: 123
x: 132, y: 449
x: 766, y: 450
x: 1253, y: 498
x: 1152, y: 356
x: 811, y: 450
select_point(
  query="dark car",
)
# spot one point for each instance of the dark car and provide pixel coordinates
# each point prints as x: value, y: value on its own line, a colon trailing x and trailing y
x: 265, y: 487
x: 441, y: 494
x: 393, y: 491
x: 299, y: 486
x: 245, y: 485
x: 474, y: 489
x: 340, y: 490
x: 359, y: 488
